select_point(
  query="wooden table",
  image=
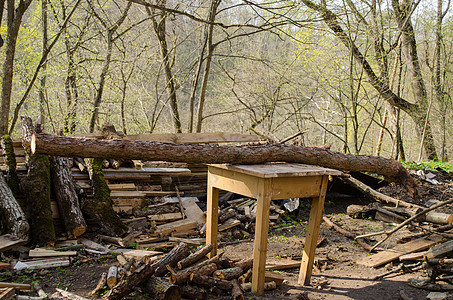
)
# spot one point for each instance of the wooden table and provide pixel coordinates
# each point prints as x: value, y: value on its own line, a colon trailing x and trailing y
x: 266, y: 182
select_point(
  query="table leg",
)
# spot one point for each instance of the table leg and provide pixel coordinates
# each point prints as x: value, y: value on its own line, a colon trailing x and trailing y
x: 261, y: 232
x: 212, y: 217
x: 311, y: 239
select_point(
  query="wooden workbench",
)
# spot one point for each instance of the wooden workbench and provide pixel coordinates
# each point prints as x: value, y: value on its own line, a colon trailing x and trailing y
x: 266, y: 182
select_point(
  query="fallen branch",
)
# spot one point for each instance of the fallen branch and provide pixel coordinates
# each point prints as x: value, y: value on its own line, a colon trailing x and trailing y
x: 404, y: 223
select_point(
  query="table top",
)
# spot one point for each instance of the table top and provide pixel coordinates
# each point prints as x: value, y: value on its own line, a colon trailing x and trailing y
x: 273, y: 170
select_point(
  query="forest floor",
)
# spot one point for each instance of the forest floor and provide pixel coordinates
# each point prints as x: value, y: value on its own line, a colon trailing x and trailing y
x: 342, y: 277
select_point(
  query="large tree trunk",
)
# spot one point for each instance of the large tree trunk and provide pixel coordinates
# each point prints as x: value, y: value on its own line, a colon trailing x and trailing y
x: 66, y: 196
x: 11, y: 213
x: 153, y: 151
x: 100, y: 207
x: 36, y: 188
x: 11, y: 175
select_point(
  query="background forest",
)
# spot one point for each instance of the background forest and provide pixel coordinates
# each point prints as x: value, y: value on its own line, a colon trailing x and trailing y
x: 367, y: 76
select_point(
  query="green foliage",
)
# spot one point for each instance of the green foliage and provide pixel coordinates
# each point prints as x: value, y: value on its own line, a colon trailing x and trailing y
x: 432, y: 165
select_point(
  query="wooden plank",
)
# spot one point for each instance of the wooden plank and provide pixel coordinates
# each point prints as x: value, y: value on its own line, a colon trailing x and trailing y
x: 122, y: 187
x: 148, y: 171
x: 139, y: 254
x: 195, y: 138
x: 124, y: 209
x: 181, y: 225
x: 413, y: 256
x: 283, y: 265
x: 157, y: 246
x: 193, y: 211
x: 190, y: 242
x: 261, y: 232
x: 128, y: 202
x: 139, y: 194
x: 311, y: 239
x: 47, y: 263
x: 386, y: 256
x: 229, y: 224
x: 272, y: 170
x: 7, y: 293
x: 16, y: 286
x: 165, y: 217
x: 40, y: 252
x: 8, y: 241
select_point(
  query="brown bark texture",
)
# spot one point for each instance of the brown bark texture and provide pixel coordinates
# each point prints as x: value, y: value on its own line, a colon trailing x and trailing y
x: 66, y: 196
x: 123, y: 288
x: 194, y: 292
x: 236, y: 292
x: 11, y: 213
x: 10, y: 158
x: 153, y: 151
x: 162, y: 290
x: 194, y: 257
x: 209, y: 282
x: 176, y: 254
x: 228, y: 274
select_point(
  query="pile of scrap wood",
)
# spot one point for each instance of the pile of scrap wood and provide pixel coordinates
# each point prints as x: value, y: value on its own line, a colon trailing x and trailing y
x: 181, y: 272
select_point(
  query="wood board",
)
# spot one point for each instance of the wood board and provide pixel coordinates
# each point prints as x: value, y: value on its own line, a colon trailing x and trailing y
x: 8, y: 241
x: 139, y: 254
x: 193, y: 211
x: 177, y: 226
x: 389, y: 255
x: 40, y: 252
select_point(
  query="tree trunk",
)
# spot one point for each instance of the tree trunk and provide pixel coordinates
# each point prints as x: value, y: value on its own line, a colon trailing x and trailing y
x: 100, y: 207
x: 14, y: 19
x: 162, y: 290
x: 66, y: 196
x: 12, y: 215
x: 123, y: 149
x: 11, y: 175
x: 36, y: 188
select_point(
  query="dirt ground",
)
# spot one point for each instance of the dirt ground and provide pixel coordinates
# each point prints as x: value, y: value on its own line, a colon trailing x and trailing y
x: 342, y: 277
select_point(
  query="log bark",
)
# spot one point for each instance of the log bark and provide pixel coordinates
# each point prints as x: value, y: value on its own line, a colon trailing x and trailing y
x: 10, y: 158
x: 194, y: 257
x: 154, y: 151
x: 194, y: 292
x: 210, y: 282
x: 268, y: 286
x: 172, y: 258
x: 66, y: 196
x: 137, y: 278
x: 245, y: 263
x: 112, y: 276
x: 236, y: 292
x: 245, y: 277
x: 11, y: 213
x: 228, y: 274
x: 100, y: 207
x: 162, y: 290
x: 36, y: 188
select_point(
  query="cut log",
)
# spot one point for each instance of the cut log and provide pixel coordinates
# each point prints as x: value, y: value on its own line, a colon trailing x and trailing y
x: 245, y: 277
x: 10, y: 158
x: 66, y: 196
x: 210, y: 282
x: 176, y: 254
x: 440, y: 250
x: 206, y: 270
x: 12, y: 215
x: 137, y: 278
x: 268, y: 286
x: 236, y: 292
x: 194, y: 292
x: 194, y: 257
x: 112, y: 276
x: 99, y: 207
x: 153, y: 151
x: 183, y: 276
x: 228, y: 274
x: 245, y: 263
x: 176, y: 226
x: 162, y: 290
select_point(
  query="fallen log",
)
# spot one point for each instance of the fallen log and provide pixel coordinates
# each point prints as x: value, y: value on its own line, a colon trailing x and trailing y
x: 268, y: 286
x: 11, y: 212
x: 236, y: 292
x: 194, y: 257
x: 153, y: 151
x: 162, y: 290
x: 210, y: 282
x: 176, y: 254
x: 228, y: 274
x: 194, y: 292
x: 66, y: 196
